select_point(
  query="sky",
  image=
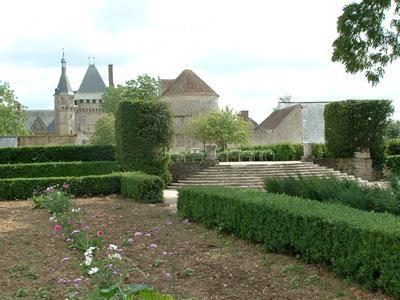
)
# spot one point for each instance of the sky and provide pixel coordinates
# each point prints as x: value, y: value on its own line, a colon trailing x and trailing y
x: 250, y: 52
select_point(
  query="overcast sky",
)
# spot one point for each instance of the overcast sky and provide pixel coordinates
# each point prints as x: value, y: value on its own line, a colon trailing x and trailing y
x: 250, y: 52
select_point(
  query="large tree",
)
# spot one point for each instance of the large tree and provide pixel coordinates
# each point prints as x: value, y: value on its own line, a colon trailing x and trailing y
x: 368, y: 37
x: 12, y: 117
x: 104, y: 131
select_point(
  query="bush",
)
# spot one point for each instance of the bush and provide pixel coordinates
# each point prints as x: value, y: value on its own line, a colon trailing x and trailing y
x: 335, y: 190
x: 142, y: 187
x: 57, y: 169
x: 319, y: 151
x: 187, y: 157
x: 393, y: 163
x: 353, y: 125
x: 23, y: 188
x: 393, y: 147
x: 363, y: 246
x: 10, y: 155
x: 143, y: 136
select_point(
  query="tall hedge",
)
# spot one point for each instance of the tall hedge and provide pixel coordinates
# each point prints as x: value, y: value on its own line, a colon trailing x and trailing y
x: 357, y: 124
x: 144, y: 131
x: 16, y: 155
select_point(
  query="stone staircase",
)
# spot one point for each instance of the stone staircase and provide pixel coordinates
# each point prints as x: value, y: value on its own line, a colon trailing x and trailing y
x: 252, y: 174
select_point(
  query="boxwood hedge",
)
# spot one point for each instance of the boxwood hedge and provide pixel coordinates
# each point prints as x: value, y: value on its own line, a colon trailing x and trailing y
x: 142, y: 187
x: 10, y: 155
x: 57, y: 169
x: 363, y: 246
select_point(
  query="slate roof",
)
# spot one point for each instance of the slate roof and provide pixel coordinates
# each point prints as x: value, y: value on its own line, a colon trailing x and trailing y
x: 63, y: 84
x: 47, y: 117
x: 92, y: 82
x: 276, y: 117
x: 187, y: 83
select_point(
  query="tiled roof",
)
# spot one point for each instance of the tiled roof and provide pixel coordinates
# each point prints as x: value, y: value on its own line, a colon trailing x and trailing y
x: 92, y: 82
x: 187, y: 83
x: 276, y: 117
x: 46, y: 116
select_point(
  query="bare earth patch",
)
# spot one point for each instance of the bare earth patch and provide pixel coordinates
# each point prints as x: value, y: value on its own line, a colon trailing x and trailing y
x: 190, y: 261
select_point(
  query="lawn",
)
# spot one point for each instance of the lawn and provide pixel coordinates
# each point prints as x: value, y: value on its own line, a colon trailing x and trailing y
x: 178, y: 257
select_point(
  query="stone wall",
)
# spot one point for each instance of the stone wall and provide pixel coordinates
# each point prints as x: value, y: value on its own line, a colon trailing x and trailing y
x: 288, y: 130
x: 46, y: 139
x: 359, y: 167
x: 182, y: 170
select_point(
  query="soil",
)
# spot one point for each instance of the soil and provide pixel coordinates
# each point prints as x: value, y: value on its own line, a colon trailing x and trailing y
x: 190, y: 261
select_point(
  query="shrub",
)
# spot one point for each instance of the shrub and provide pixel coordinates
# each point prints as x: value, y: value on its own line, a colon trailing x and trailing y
x: 335, y: 190
x: 142, y: 187
x: 281, y: 151
x: 319, y: 151
x: 187, y: 157
x: 357, y: 124
x: 57, y: 169
x: 23, y: 188
x: 393, y: 163
x: 10, y: 155
x: 143, y: 136
x: 393, y: 147
x: 363, y: 246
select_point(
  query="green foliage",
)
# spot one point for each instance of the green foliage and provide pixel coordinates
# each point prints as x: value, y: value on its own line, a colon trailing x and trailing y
x: 11, y: 114
x: 11, y: 155
x: 144, y: 132
x: 142, y: 187
x: 23, y: 188
x: 143, y: 88
x: 273, y: 152
x: 393, y: 164
x: 365, y: 42
x: 57, y: 169
x: 335, y: 190
x: 358, y: 245
x: 199, y: 129
x: 393, y: 130
x: 353, y: 125
x: 104, y: 131
x: 187, y: 157
x: 393, y: 147
x: 319, y: 151
x: 56, y: 200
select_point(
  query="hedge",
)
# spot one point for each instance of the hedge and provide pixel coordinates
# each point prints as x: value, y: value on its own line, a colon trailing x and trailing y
x: 139, y: 186
x: 393, y: 147
x: 353, y: 125
x: 393, y: 163
x: 15, y: 155
x: 57, y: 169
x: 142, y: 187
x: 319, y: 151
x: 336, y: 190
x: 363, y: 246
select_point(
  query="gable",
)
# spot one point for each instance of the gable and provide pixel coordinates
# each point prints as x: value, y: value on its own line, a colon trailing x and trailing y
x: 38, y: 126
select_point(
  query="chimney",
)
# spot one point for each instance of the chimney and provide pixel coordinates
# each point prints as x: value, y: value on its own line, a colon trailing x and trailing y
x: 110, y: 76
x: 244, y: 114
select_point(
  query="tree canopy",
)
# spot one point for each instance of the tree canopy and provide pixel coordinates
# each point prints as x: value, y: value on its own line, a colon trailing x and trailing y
x: 104, y: 131
x: 11, y: 114
x: 368, y: 37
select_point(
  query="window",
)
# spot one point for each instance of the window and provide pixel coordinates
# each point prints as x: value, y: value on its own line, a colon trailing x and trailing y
x: 76, y: 102
x: 81, y: 101
x: 70, y: 116
x: 87, y: 101
x: 82, y: 120
x: 100, y: 101
x: 94, y: 101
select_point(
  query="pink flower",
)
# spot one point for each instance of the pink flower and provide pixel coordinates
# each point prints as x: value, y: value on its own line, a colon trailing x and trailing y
x: 100, y: 233
x: 57, y: 228
x: 77, y: 281
x: 147, y: 235
x: 153, y: 246
x: 65, y: 186
x: 167, y: 275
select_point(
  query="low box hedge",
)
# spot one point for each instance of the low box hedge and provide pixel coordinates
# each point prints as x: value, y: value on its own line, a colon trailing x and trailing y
x: 363, y: 246
x: 336, y: 190
x: 15, y: 155
x: 57, y: 169
x: 138, y: 186
x: 142, y: 187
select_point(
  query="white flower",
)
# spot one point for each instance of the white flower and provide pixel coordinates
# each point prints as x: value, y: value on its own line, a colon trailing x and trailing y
x: 53, y: 218
x: 89, y: 255
x: 93, y: 270
x: 76, y: 210
x: 112, y: 247
x: 115, y: 256
x: 75, y: 231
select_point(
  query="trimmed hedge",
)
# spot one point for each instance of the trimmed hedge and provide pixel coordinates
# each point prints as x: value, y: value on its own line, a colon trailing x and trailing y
x: 393, y: 147
x: 142, y: 187
x: 57, y: 169
x: 357, y: 124
x: 273, y: 152
x: 335, y: 190
x: 319, y: 151
x: 15, y: 155
x: 138, y: 186
x: 393, y: 163
x: 363, y: 246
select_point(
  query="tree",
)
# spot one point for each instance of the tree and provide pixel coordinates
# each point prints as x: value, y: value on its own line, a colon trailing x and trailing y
x: 104, y: 131
x: 365, y: 43
x: 198, y: 128
x: 393, y: 129
x: 11, y: 114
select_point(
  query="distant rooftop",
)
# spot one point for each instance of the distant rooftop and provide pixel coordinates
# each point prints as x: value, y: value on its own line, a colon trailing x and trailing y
x: 92, y: 82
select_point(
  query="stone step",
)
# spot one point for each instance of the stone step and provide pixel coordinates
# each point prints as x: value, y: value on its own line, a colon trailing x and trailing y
x: 265, y: 172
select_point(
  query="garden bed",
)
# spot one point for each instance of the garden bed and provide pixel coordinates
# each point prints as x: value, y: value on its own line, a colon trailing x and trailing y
x: 198, y: 263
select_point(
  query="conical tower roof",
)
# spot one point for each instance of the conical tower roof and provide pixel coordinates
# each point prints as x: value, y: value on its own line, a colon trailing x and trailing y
x: 63, y: 84
x: 92, y: 82
x: 188, y: 83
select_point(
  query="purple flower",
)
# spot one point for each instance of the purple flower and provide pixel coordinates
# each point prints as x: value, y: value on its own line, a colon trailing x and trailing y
x: 153, y: 246
x: 77, y: 281
x: 65, y: 259
x: 147, y: 235
x: 138, y: 234
x: 186, y: 222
